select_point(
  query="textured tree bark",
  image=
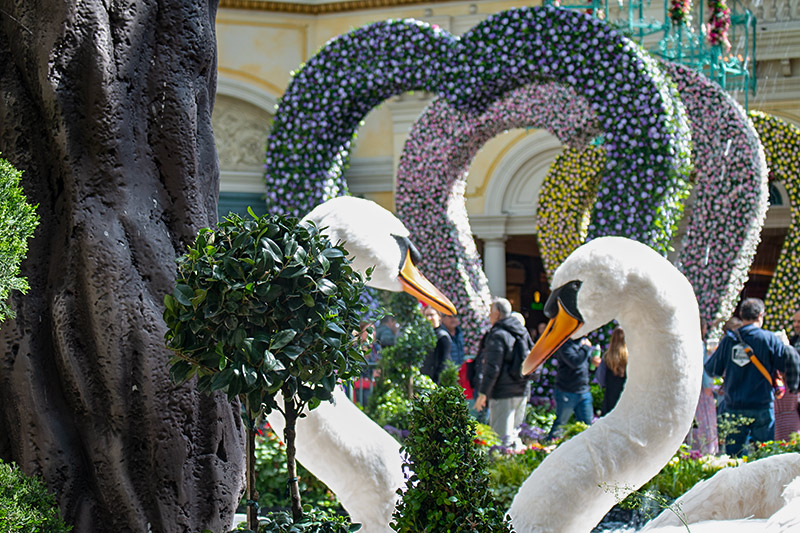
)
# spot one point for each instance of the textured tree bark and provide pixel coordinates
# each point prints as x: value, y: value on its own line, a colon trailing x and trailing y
x: 106, y: 106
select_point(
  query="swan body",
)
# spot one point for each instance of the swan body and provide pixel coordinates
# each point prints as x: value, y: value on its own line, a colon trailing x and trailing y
x: 357, y: 459
x: 785, y: 520
x: 764, y: 489
x: 655, y: 305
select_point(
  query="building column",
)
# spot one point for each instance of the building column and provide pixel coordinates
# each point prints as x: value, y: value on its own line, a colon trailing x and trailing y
x: 494, y: 263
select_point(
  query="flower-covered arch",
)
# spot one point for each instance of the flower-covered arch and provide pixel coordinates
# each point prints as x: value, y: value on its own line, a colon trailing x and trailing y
x: 431, y: 181
x: 731, y: 186
x: 565, y: 201
x: 325, y: 101
x: 781, y: 142
x: 644, y: 125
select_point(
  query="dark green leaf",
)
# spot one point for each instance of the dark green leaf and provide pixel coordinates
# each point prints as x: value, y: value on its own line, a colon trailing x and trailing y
x: 292, y: 352
x: 184, y: 294
x: 282, y: 338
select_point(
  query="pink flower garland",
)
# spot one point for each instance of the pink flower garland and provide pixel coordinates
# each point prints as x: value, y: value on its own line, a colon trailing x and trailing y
x: 679, y: 11
x: 719, y: 22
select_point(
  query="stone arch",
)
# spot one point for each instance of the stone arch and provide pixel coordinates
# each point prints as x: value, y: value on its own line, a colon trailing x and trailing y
x: 529, y: 159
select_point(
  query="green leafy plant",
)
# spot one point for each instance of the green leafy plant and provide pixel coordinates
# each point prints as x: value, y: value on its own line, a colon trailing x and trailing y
x: 26, y: 505
x: 313, y: 521
x: 271, y: 476
x: 262, y: 306
x: 766, y: 449
x: 447, y: 490
x: 400, y: 379
x: 449, y: 375
x: 18, y: 220
x: 507, y: 472
x: 728, y: 424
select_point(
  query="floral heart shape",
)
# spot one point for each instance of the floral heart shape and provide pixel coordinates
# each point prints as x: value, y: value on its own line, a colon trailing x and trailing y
x: 646, y: 132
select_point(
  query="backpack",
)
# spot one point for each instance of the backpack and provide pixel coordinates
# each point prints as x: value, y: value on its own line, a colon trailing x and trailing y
x: 520, y: 350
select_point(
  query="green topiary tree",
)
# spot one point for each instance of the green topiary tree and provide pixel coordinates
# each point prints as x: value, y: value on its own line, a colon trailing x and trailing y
x: 18, y: 219
x: 448, y: 489
x: 264, y: 306
x: 26, y: 505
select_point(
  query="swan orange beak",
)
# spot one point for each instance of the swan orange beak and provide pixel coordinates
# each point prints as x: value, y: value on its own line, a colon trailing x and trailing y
x: 564, y: 321
x: 418, y: 286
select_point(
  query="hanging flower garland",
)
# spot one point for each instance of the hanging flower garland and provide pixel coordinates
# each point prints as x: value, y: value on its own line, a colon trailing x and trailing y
x: 719, y: 22
x: 731, y: 185
x: 781, y: 142
x: 431, y: 180
x: 680, y: 12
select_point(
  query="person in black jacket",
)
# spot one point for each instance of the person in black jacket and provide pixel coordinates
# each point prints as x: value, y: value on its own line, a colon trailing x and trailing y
x: 436, y: 360
x: 504, y: 393
x: 572, y: 393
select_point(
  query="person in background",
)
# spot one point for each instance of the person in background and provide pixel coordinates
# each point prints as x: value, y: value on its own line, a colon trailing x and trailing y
x: 611, y: 372
x: 787, y: 419
x: 452, y: 325
x: 748, y: 394
x: 572, y: 392
x: 386, y: 332
x: 437, y: 358
x: 703, y: 436
x: 499, y: 388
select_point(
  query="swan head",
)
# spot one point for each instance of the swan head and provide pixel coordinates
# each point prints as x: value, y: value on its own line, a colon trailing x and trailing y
x: 605, y: 279
x: 376, y: 239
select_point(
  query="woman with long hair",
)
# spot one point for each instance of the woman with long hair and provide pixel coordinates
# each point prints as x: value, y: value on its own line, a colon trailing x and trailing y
x: 615, y: 361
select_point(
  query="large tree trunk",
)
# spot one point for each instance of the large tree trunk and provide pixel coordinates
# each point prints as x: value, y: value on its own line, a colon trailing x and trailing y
x: 106, y: 106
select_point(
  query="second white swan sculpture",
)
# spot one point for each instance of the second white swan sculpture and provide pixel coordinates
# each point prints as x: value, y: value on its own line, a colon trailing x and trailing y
x: 359, y: 461
x: 608, y: 278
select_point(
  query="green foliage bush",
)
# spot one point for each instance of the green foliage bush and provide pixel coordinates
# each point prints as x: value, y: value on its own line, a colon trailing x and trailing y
x: 261, y: 305
x: 25, y: 504
x: 271, y: 476
x: 400, y: 379
x: 313, y: 521
x: 264, y: 305
x: 18, y: 219
x: 447, y: 491
x: 507, y: 472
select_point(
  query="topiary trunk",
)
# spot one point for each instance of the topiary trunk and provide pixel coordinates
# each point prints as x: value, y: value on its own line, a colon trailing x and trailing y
x: 106, y: 108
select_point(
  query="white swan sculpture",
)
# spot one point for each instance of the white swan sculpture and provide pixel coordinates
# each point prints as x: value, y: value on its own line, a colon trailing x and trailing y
x: 763, y: 496
x: 608, y: 278
x: 359, y: 461
x: 612, y: 277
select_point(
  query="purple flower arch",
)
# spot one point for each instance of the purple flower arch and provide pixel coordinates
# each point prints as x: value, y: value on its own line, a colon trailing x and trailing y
x: 431, y: 181
x: 724, y: 227
x: 325, y: 101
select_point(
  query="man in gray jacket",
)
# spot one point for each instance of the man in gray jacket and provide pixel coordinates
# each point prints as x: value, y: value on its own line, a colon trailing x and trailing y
x: 504, y: 391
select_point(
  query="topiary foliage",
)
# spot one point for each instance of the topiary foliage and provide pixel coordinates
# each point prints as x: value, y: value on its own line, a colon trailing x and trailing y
x: 25, y: 503
x: 447, y: 490
x: 262, y: 306
x: 314, y: 521
x: 18, y: 219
